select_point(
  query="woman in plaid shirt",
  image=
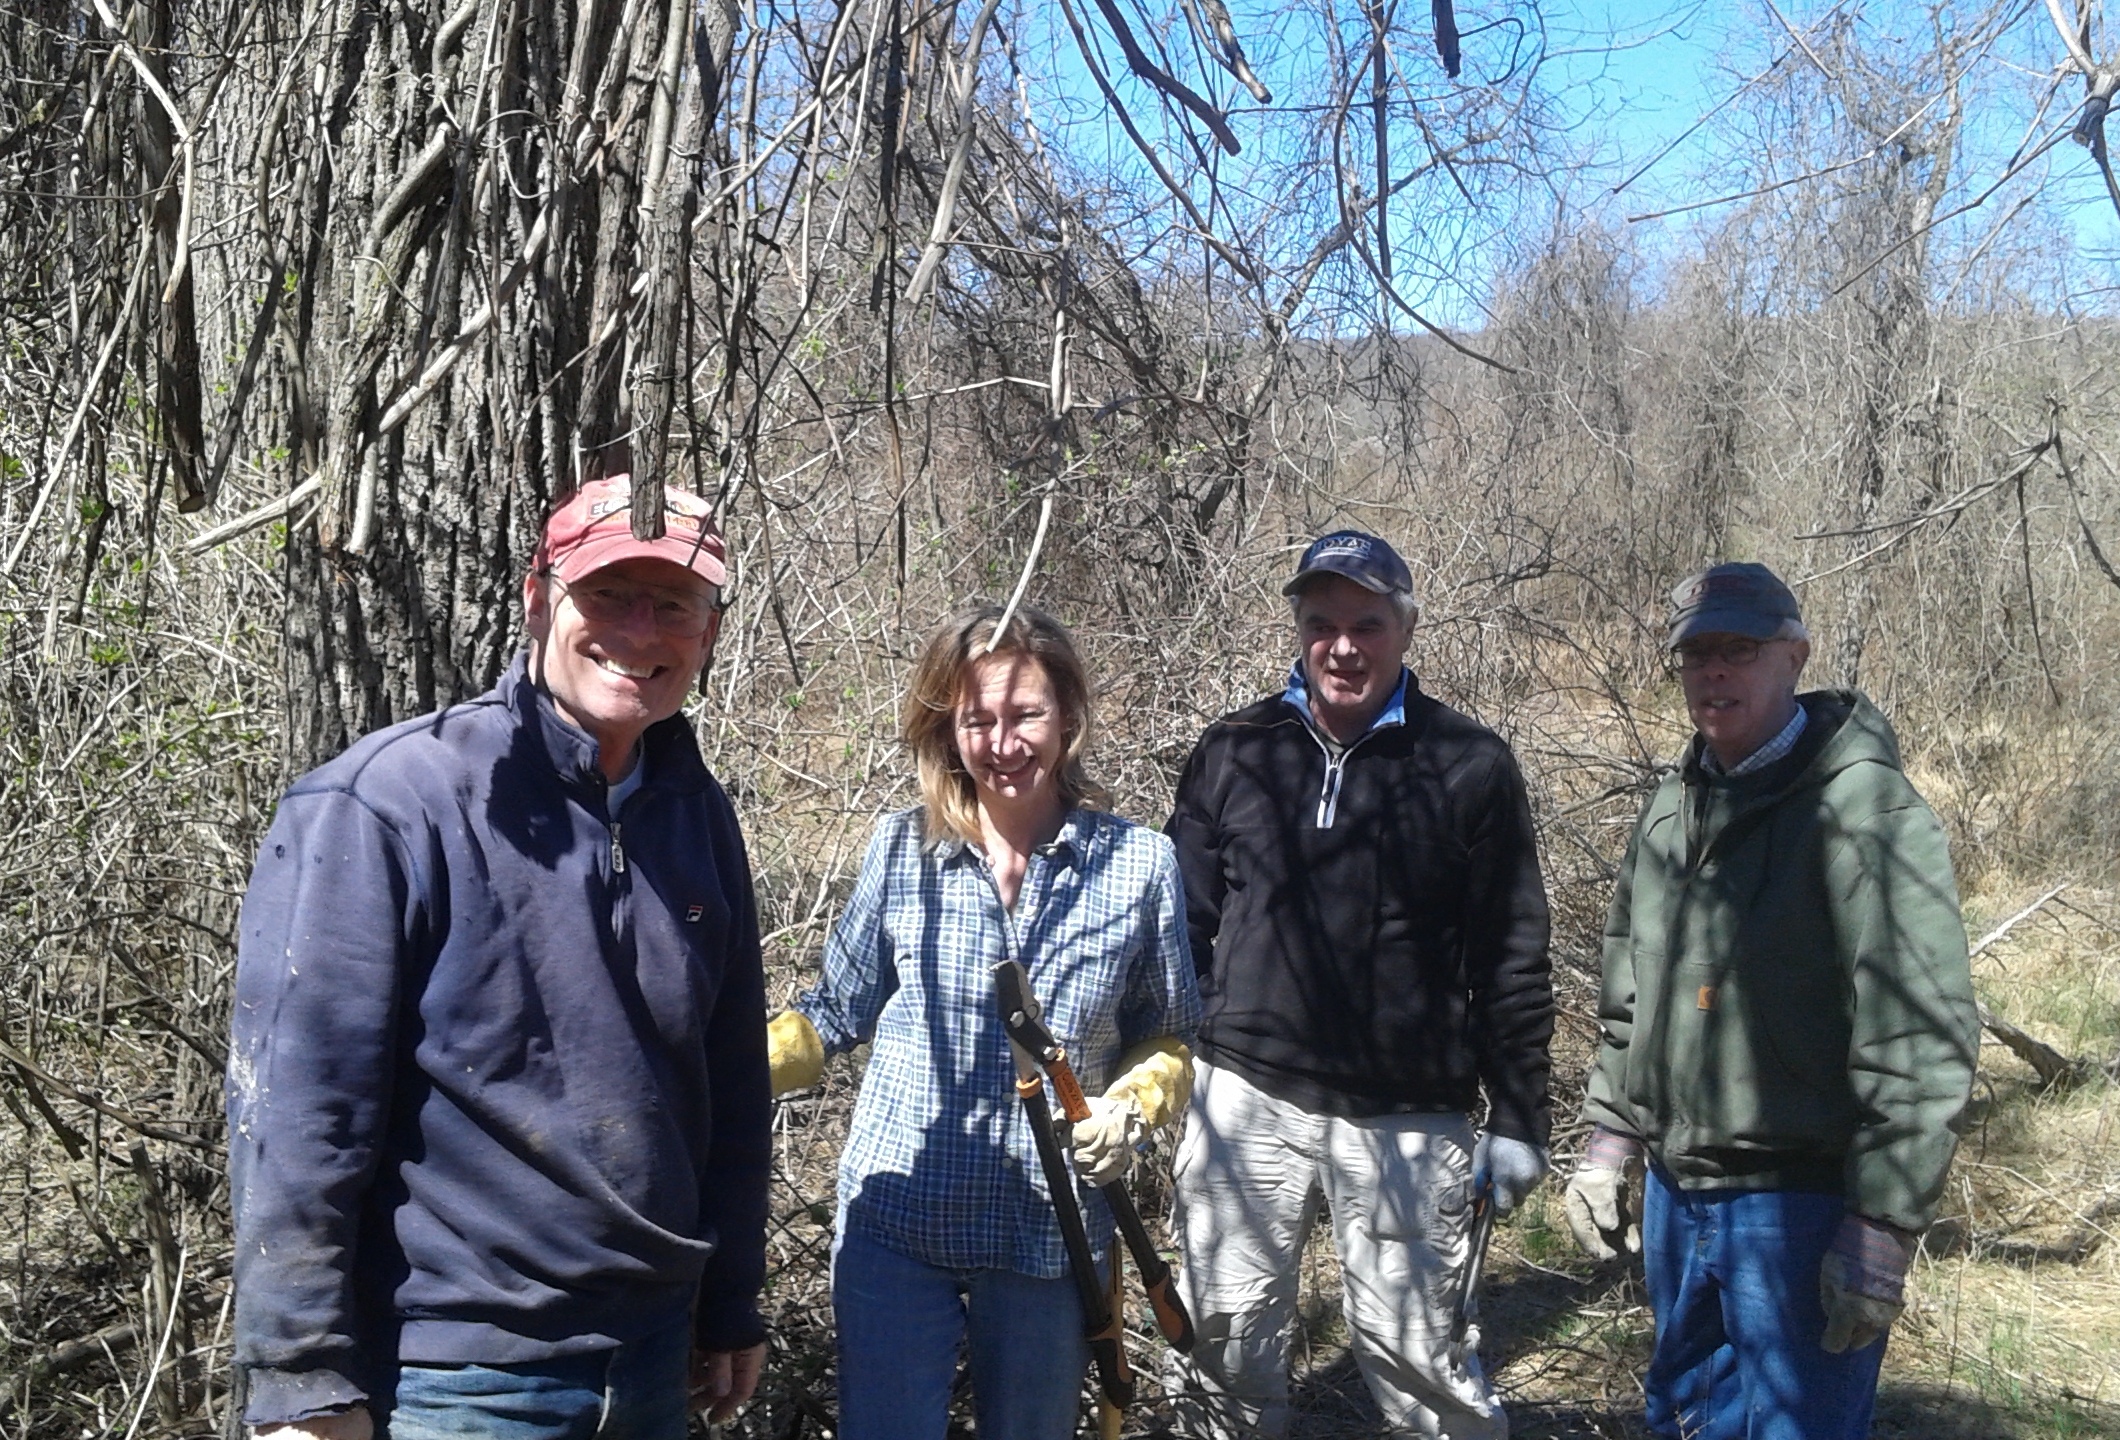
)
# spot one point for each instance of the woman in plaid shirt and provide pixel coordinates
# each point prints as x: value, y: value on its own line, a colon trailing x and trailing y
x: 946, y: 1237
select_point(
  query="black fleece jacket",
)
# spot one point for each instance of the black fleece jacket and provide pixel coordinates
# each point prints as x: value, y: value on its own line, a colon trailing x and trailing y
x: 1370, y: 935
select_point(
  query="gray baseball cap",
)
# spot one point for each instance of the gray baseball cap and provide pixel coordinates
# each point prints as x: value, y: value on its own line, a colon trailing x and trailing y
x: 1734, y: 599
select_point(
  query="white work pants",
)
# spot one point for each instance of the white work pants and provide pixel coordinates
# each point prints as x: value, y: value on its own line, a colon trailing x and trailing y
x: 1250, y: 1175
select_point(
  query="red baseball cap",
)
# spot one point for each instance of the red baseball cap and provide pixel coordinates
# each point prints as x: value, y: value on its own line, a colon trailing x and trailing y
x: 595, y: 528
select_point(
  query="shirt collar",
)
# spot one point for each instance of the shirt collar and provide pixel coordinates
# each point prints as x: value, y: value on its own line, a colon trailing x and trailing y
x: 1068, y: 847
x: 1765, y: 755
x: 623, y: 788
x: 571, y: 753
x: 1297, y: 694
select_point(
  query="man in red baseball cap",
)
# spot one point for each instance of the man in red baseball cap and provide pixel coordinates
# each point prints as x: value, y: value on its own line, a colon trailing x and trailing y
x: 498, y: 1097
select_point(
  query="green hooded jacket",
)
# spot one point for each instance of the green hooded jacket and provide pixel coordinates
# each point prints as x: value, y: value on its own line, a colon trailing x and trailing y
x: 1787, y: 1000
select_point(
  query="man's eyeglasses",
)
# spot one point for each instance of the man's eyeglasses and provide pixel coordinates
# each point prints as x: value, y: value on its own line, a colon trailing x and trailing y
x: 677, y: 613
x: 1734, y: 653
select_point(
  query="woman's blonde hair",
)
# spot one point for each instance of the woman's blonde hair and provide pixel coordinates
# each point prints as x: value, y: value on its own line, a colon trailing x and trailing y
x: 928, y: 723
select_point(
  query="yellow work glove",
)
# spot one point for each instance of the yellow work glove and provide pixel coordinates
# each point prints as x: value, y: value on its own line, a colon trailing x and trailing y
x: 1155, y: 1079
x: 794, y: 1051
x: 1158, y: 1075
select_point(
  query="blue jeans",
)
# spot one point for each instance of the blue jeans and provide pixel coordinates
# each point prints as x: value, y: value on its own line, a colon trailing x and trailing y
x: 1733, y: 1279
x: 902, y: 1322
x: 635, y: 1392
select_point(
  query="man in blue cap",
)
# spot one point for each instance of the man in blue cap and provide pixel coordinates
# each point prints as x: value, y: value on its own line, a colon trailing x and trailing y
x: 1788, y: 1036
x: 1369, y: 926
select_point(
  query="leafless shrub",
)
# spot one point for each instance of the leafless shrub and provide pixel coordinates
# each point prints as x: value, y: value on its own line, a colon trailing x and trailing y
x: 1802, y: 389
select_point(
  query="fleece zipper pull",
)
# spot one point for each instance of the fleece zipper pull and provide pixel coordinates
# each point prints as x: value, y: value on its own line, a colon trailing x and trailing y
x: 1335, y: 764
x: 618, y: 851
x: 1329, y: 793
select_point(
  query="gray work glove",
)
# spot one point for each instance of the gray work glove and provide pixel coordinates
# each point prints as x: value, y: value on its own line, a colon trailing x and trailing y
x: 1104, y: 1140
x: 1862, y: 1282
x: 1507, y: 1170
x: 1604, y: 1199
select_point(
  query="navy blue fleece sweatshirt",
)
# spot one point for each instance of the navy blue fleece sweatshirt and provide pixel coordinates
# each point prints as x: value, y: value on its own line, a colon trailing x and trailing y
x: 497, y: 1085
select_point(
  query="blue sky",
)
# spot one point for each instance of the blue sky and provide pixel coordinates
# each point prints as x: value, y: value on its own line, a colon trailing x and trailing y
x: 1624, y: 81
x: 1656, y: 69
x: 1648, y: 73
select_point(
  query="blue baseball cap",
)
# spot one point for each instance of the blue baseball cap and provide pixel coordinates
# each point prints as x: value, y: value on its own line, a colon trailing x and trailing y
x: 1734, y: 599
x: 1366, y: 559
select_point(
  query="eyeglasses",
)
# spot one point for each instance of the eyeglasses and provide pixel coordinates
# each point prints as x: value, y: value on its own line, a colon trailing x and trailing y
x: 677, y: 613
x: 1734, y: 653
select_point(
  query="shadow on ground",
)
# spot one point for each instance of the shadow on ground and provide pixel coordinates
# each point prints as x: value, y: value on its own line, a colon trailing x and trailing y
x: 1915, y: 1412
x: 1570, y: 1351
x: 1333, y: 1404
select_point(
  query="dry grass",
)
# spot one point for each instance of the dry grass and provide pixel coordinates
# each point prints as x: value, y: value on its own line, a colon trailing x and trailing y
x: 2014, y: 1329
x: 2019, y: 1295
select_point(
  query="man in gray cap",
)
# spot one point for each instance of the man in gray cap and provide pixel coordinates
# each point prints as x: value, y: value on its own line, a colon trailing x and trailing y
x: 1369, y: 927
x: 1788, y: 1036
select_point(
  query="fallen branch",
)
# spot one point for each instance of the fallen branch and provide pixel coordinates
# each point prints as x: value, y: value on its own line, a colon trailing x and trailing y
x: 1912, y: 524
x: 98, y: 1104
x: 1137, y: 60
x: 111, y: 1340
x: 250, y: 520
x: 1030, y: 566
x: 1201, y: 227
x: 108, y: 1343
x: 442, y: 364
x: 2069, y: 37
x: 2084, y: 1240
x: 2052, y: 1067
x: 1224, y: 47
x: 953, y: 180
x: 1980, y: 947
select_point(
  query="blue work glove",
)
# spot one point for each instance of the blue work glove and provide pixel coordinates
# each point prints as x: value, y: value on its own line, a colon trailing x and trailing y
x: 1507, y: 1170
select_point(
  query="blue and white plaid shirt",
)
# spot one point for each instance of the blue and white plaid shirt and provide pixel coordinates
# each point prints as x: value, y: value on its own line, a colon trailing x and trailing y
x: 941, y: 1164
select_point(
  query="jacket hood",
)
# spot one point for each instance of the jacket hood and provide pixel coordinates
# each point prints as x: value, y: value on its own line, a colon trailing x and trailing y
x: 1859, y: 733
x: 1785, y: 999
